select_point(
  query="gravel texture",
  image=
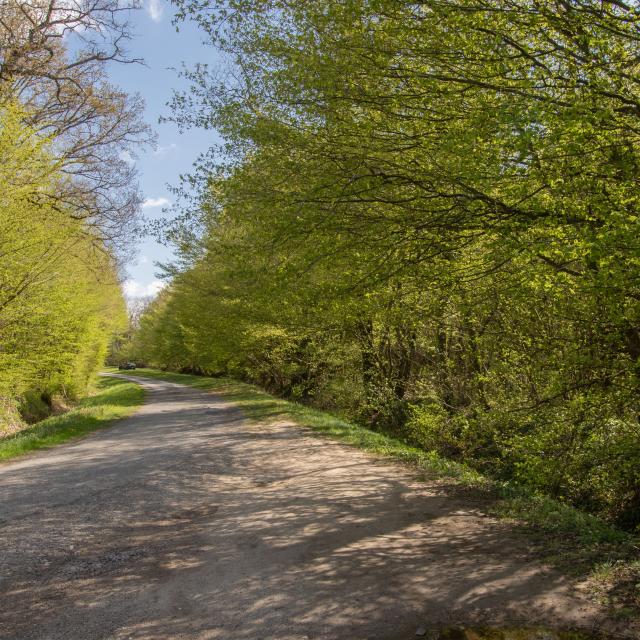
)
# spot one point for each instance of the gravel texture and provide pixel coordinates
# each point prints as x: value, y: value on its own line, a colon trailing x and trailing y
x: 188, y: 521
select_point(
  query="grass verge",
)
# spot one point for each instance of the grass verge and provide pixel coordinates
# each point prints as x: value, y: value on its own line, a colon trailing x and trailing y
x: 574, y: 541
x: 110, y: 400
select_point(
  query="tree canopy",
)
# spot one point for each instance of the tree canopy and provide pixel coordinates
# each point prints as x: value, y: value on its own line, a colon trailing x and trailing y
x: 424, y: 216
x: 69, y: 202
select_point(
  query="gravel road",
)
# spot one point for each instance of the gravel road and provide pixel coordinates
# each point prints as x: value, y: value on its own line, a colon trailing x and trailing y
x: 188, y: 521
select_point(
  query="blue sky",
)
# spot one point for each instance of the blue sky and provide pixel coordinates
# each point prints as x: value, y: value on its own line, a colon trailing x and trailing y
x: 162, y: 48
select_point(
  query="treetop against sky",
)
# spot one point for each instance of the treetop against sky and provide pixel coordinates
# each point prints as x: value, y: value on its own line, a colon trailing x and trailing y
x: 164, y: 50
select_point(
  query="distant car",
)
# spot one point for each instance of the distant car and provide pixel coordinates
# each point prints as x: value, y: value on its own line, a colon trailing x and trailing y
x: 127, y: 366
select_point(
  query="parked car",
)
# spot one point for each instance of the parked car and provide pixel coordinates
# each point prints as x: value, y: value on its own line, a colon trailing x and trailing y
x: 127, y: 366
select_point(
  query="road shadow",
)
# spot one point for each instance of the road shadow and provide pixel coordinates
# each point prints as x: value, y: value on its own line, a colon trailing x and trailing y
x: 187, y: 521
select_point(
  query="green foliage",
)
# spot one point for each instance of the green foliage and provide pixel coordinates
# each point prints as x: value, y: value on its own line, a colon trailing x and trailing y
x: 427, y: 221
x: 111, y: 400
x: 60, y: 298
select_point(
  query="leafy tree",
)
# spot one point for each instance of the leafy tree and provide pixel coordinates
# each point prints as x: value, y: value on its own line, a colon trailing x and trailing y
x: 53, y: 60
x: 425, y: 216
x: 60, y: 297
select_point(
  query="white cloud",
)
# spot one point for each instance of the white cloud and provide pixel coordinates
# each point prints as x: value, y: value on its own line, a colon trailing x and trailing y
x: 127, y: 157
x: 163, y: 151
x: 155, y: 10
x: 155, y: 202
x: 134, y: 289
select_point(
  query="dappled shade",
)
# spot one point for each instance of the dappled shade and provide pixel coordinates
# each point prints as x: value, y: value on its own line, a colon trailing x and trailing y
x: 188, y: 519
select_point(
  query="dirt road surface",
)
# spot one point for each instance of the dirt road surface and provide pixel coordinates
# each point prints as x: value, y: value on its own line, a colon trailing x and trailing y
x: 188, y: 521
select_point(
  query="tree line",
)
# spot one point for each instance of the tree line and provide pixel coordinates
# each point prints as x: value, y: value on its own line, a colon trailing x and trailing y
x: 424, y: 216
x: 68, y: 197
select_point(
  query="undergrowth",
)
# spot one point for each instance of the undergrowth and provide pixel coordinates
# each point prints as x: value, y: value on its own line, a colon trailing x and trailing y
x: 111, y: 399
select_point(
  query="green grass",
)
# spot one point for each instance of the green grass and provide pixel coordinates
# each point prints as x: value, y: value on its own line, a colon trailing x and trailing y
x: 111, y: 400
x: 575, y: 541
